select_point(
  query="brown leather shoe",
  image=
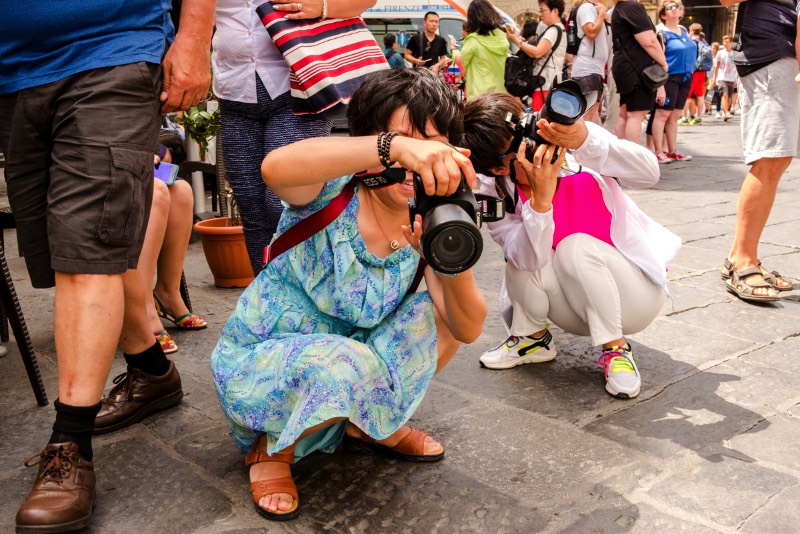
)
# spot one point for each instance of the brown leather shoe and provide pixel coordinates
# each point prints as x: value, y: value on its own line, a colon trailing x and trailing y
x: 137, y: 395
x: 62, y: 498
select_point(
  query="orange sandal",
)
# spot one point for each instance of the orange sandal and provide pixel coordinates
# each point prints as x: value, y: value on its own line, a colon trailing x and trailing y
x: 411, y: 448
x: 262, y: 488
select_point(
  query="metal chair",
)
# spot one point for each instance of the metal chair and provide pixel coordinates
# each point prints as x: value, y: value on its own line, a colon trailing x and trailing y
x: 11, y: 312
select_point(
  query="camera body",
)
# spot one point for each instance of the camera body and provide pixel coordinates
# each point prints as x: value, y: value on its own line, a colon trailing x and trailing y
x: 565, y: 104
x: 451, y: 238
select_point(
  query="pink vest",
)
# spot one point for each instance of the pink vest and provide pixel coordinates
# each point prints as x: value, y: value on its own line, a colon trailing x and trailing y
x: 578, y: 207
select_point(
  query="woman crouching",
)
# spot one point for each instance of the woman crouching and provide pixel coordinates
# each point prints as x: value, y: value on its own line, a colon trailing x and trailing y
x: 331, y: 341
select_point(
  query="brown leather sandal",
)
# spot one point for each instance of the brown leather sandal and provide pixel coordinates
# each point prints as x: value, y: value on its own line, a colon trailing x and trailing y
x: 262, y: 488
x: 411, y: 448
x: 737, y: 284
x: 773, y: 278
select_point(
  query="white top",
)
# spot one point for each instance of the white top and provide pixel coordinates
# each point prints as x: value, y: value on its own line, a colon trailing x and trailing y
x: 555, y: 65
x: 727, y: 69
x: 241, y: 47
x: 584, y: 64
x: 526, y: 236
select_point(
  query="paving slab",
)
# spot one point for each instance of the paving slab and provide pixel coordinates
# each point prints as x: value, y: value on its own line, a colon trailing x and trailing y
x: 780, y: 515
x: 705, y: 491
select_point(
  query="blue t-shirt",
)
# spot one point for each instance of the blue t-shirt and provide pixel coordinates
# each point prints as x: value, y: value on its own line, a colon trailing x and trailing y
x: 46, y: 41
x: 681, y: 52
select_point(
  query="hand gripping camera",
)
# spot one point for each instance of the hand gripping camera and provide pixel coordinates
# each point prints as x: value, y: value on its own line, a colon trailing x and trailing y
x: 565, y: 104
x: 451, y: 238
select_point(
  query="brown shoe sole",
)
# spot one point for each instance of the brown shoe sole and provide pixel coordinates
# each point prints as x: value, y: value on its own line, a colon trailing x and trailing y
x: 156, y: 406
x: 60, y: 527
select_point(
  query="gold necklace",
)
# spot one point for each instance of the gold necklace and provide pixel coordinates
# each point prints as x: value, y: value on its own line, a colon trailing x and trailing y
x: 394, y: 244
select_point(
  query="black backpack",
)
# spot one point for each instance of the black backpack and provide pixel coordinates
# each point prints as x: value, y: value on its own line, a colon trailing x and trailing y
x: 573, y: 41
x: 520, y: 81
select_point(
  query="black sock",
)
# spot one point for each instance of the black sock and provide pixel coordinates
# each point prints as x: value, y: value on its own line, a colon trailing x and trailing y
x: 153, y: 361
x: 75, y: 423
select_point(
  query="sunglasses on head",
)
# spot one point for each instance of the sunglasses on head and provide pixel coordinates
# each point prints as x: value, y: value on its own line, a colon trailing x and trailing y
x: 671, y: 7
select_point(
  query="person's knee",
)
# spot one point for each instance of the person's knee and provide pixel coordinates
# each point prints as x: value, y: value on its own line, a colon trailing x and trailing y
x: 181, y: 196
x: 161, y: 198
x: 770, y: 169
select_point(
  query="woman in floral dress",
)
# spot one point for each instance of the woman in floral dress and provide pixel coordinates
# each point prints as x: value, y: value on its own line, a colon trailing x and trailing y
x: 329, y: 343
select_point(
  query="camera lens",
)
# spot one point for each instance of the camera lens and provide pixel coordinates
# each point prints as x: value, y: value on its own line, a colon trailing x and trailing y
x: 451, y: 242
x: 565, y: 104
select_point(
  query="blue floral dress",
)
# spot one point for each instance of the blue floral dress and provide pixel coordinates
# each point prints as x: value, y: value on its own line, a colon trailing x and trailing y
x: 326, y: 330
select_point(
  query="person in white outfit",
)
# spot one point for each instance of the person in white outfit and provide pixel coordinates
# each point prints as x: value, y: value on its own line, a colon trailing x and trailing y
x: 580, y: 254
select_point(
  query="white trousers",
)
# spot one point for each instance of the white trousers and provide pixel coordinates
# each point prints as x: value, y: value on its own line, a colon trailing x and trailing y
x: 589, y: 289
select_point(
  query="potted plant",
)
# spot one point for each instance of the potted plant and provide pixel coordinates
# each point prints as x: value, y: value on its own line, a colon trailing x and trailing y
x: 223, y: 245
x: 200, y: 125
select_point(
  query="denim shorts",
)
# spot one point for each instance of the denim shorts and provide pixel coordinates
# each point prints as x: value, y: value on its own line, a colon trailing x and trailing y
x: 79, y: 167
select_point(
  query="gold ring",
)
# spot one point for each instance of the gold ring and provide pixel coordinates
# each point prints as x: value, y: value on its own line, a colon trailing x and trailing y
x: 537, y: 166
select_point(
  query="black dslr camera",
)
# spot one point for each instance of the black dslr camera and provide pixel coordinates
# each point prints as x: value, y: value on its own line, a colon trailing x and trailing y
x: 451, y: 238
x: 565, y: 104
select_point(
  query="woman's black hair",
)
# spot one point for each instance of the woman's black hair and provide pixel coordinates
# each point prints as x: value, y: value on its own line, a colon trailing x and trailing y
x: 529, y: 29
x: 388, y: 40
x: 485, y: 130
x: 482, y: 18
x: 555, y: 4
x: 427, y: 97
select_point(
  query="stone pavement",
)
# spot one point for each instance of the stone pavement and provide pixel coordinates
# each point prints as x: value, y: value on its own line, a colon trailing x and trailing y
x: 710, y: 445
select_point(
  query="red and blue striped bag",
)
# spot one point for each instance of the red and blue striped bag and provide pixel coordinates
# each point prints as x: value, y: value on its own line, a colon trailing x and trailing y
x: 328, y: 59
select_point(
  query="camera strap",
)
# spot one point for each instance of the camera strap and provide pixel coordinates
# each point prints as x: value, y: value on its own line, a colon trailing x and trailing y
x: 509, y: 199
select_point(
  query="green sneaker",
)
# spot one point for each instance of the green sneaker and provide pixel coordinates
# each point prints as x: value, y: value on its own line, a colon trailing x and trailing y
x: 683, y: 120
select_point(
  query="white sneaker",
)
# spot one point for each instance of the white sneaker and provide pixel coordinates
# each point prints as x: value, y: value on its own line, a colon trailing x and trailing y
x: 622, y: 374
x: 519, y: 350
x: 717, y: 115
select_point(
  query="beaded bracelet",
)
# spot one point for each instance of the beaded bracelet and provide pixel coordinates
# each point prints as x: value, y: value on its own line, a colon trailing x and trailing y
x: 384, y: 143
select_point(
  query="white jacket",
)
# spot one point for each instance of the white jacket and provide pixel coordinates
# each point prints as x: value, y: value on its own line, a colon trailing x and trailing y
x: 526, y: 236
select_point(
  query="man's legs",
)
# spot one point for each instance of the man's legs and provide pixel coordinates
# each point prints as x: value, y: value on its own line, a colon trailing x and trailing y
x: 84, y: 351
x: 752, y: 211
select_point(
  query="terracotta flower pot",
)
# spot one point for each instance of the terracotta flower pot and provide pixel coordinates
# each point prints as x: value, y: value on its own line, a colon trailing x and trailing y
x: 225, y: 252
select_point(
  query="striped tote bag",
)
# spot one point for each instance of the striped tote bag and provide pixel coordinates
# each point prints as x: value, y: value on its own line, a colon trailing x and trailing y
x: 328, y: 59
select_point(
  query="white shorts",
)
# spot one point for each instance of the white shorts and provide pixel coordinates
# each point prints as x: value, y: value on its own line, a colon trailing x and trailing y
x: 770, y: 100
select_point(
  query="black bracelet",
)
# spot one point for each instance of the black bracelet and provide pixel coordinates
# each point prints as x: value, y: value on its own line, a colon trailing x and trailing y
x: 384, y: 144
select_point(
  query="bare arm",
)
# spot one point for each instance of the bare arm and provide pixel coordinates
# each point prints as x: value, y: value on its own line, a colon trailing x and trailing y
x: 591, y: 29
x: 648, y: 40
x: 535, y: 51
x: 187, y: 63
x: 297, y: 172
x: 412, y: 59
x: 339, y: 9
x: 459, y: 302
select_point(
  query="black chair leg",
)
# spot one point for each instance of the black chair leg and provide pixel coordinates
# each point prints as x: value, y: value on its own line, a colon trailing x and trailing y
x: 11, y: 304
x: 185, y: 293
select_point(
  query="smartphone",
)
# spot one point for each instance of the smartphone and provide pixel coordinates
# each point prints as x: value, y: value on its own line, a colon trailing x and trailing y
x: 166, y: 172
